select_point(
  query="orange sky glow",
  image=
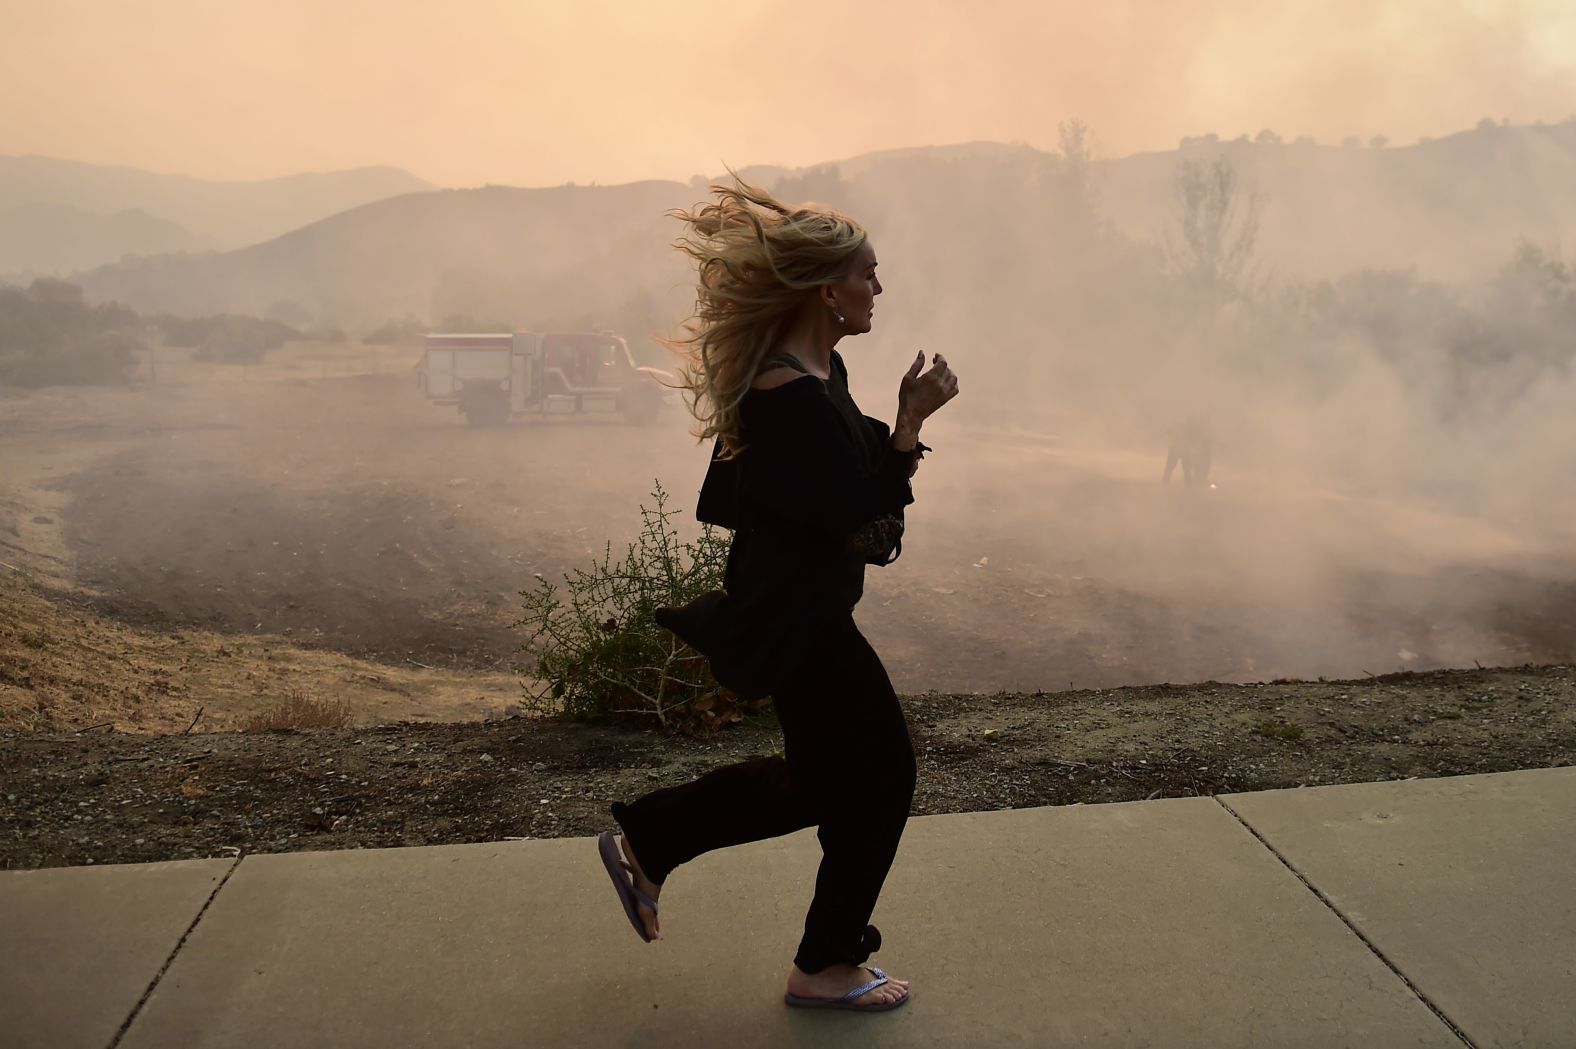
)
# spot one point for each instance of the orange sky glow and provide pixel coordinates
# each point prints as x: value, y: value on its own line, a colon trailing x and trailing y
x: 533, y: 93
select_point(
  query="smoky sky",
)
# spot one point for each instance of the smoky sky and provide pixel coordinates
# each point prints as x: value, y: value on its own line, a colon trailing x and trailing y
x: 534, y: 93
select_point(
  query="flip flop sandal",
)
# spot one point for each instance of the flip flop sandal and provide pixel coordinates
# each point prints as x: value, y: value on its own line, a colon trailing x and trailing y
x: 847, y: 1001
x: 624, y: 882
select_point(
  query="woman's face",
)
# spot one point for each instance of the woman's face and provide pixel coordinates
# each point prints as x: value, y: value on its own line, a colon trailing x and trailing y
x: 854, y: 296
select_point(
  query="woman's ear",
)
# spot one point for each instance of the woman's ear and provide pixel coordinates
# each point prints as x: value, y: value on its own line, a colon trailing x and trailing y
x: 828, y: 296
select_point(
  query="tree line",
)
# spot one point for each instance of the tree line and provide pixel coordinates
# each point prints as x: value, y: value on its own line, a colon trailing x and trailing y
x: 50, y: 335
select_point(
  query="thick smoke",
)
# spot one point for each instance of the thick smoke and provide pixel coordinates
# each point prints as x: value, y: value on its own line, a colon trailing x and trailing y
x: 1388, y: 455
x: 476, y: 91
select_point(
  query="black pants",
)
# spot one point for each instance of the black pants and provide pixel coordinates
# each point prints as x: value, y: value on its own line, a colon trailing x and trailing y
x: 848, y: 769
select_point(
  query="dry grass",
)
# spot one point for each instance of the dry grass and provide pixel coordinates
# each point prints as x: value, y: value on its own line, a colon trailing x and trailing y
x: 300, y: 711
x: 1271, y: 729
x: 65, y: 669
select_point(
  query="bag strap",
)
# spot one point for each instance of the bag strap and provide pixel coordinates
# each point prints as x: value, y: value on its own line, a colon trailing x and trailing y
x: 783, y: 360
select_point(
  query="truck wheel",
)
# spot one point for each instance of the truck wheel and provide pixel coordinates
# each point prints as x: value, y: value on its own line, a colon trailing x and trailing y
x: 489, y: 409
x: 639, y: 406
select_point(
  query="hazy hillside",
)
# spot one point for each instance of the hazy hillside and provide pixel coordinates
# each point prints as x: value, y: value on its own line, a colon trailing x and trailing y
x: 547, y: 257
x: 58, y: 238
x: 224, y: 214
x: 1453, y: 208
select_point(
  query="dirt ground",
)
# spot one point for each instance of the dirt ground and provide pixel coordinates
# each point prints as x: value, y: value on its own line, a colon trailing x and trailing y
x: 176, y: 557
x: 70, y: 798
x: 321, y: 501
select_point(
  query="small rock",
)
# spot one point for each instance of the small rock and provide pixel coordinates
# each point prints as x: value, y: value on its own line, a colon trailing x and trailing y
x: 485, y: 757
x: 540, y: 766
x: 991, y: 733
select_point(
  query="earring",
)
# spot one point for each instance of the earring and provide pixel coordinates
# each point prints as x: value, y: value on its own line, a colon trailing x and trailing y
x: 840, y: 318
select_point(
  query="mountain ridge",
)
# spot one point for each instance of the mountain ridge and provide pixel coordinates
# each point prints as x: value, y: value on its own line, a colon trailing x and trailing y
x: 221, y: 214
x: 1452, y: 208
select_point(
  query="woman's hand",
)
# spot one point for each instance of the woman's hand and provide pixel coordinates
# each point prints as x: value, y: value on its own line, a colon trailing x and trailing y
x: 921, y: 396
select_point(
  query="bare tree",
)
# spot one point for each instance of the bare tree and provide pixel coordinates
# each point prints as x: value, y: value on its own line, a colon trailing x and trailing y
x: 1218, y: 227
x: 1075, y: 153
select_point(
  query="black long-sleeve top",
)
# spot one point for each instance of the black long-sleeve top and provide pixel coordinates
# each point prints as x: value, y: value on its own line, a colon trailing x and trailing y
x: 813, y: 474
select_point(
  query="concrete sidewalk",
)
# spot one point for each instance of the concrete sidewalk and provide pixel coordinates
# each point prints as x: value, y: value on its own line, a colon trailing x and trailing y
x: 1434, y: 913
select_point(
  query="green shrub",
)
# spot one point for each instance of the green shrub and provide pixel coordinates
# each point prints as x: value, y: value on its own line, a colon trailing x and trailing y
x: 226, y: 337
x: 407, y: 331
x: 50, y: 336
x: 600, y: 653
x: 105, y: 359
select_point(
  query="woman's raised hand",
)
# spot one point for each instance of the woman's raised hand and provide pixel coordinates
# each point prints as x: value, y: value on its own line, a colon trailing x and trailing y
x: 921, y: 395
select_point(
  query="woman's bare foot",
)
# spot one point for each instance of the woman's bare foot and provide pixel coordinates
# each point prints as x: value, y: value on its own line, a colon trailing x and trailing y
x: 648, y: 917
x: 837, y: 980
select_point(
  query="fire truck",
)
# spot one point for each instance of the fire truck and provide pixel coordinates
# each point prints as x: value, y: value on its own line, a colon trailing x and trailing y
x: 494, y: 377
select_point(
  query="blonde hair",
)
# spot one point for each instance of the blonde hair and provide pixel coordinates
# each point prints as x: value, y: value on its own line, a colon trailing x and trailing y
x: 756, y: 259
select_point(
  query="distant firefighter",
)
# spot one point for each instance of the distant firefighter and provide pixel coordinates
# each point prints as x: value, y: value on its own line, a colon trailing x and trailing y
x: 1189, y: 443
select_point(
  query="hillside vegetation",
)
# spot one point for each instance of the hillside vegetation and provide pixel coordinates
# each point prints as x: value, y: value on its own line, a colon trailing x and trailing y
x: 52, y: 238
x: 57, y: 216
x: 1453, y: 209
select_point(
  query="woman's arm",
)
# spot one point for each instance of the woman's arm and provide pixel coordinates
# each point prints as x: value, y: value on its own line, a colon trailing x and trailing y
x: 887, y: 438
x: 919, y: 397
x: 905, y: 434
x: 804, y: 469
